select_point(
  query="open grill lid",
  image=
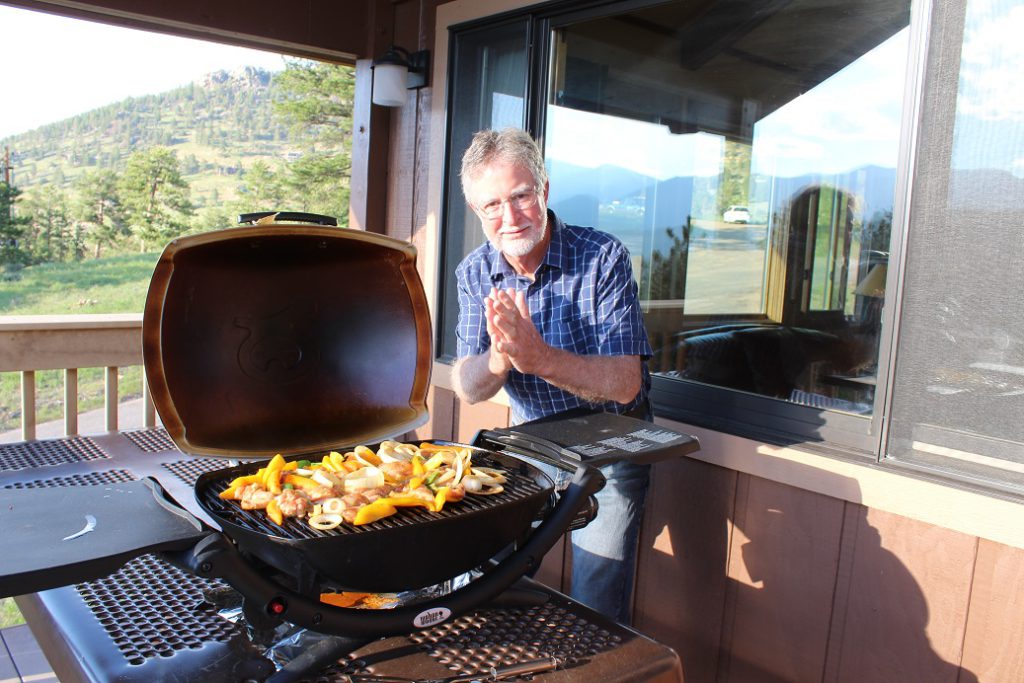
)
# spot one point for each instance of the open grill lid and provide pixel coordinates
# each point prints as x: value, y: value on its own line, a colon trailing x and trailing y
x: 286, y: 338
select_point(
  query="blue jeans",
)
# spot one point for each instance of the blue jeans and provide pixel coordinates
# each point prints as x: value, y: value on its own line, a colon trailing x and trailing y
x: 604, y: 552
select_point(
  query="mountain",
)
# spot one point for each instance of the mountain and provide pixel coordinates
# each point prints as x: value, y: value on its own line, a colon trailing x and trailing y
x: 217, y: 126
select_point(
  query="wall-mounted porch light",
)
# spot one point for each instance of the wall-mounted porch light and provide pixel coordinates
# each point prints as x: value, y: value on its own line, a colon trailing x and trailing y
x: 395, y: 72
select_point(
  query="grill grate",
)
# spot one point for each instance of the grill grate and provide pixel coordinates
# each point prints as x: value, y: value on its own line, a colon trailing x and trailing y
x: 471, y: 645
x: 28, y: 454
x: 151, y: 609
x: 153, y: 440
x: 518, y: 486
x: 86, y: 479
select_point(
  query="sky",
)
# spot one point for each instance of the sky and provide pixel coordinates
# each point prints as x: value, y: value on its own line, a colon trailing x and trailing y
x: 55, y: 67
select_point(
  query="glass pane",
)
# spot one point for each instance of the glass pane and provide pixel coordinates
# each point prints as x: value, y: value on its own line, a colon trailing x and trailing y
x: 958, y: 393
x: 746, y: 156
x: 489, y: 91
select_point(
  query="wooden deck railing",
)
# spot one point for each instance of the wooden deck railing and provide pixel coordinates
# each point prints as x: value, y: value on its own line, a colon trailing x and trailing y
x: 31, y: 343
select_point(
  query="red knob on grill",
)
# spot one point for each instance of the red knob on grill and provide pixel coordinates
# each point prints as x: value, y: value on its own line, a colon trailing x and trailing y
x: 277, y: 606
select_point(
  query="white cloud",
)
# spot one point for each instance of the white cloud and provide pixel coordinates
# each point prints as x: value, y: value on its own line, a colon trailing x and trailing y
x: 992, y: 61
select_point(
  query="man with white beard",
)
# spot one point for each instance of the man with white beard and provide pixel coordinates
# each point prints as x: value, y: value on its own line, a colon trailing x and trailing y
x: 550, y: 313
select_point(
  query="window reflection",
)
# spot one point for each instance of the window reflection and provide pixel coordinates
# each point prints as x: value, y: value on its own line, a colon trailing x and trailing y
x: 749, y: 166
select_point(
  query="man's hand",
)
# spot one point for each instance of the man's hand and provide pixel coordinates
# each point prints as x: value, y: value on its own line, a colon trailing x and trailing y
x: 593, y: 377
x: 498, y: 362
x: 513, y: 333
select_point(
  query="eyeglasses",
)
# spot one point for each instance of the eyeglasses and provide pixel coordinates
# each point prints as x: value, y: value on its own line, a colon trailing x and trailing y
x: 521, y: 201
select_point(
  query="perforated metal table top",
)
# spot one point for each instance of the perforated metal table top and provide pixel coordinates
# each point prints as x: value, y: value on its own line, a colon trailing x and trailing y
x: 149, y: 620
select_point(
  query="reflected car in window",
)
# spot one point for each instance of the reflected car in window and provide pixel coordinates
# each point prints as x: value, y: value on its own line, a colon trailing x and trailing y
x: 736, y: 214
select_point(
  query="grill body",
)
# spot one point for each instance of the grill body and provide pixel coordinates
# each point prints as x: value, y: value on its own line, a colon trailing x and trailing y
x: 410, y: 549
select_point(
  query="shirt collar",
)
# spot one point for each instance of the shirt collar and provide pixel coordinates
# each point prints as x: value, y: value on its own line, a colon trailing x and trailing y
x: 555, y: 257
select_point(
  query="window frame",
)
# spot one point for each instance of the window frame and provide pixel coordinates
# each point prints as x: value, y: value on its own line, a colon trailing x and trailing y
x: 863, y: 439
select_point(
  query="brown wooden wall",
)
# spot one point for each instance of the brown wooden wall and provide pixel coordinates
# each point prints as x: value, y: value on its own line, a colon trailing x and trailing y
x: 752, y: 581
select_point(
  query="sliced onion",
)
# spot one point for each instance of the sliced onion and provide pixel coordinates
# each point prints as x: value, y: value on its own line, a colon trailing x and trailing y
x: 325, y: 521
x: 490, y: 475
x: 362, y: 479
x: 460, y: 468
x: 490, y: 490
x: 332, y: 506
x: 328, y: 479
x: 407, y: 449
x: 438, y: 459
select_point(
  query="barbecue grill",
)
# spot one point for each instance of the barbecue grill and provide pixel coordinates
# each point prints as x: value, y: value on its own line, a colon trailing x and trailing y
x: 298, y: 339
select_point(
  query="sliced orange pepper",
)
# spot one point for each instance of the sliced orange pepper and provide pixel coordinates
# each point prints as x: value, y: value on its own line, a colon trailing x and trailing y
x: 368, y: 455
x: 273, y: 481
x: 300, y: 481
x: 433, y: 447
x: 274, y: 512
x: 246, y: 480
x: 343, y: 599
x: 378, y: 509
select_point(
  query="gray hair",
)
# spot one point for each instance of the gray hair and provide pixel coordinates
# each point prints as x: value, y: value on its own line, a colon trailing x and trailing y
x: 511, y: 146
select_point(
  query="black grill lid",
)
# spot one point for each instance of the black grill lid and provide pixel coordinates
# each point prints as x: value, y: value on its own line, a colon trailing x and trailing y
x: 285, y: 338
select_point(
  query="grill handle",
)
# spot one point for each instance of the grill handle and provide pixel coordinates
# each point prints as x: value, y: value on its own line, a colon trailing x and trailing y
x: 217, y: 557
x: 294, y: 216
x: 535, y: 447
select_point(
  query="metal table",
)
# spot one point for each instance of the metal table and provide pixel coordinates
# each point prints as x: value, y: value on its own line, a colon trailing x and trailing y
x: 149, y: 621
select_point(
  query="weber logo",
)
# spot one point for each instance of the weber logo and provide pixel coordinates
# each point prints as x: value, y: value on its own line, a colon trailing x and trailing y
x: 431, y: 617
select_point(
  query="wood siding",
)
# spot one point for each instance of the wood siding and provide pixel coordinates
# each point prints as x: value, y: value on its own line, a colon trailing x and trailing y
x: 753, y: 581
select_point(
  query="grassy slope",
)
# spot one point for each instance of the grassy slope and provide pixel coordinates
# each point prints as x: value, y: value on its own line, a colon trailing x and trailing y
x: 111, y: 285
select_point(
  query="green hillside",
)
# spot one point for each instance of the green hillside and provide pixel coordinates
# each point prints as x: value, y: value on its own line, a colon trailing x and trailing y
x: 217, y: 128
x: 132, y: 175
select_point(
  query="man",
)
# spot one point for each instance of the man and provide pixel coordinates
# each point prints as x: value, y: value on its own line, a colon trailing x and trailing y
x: 550, y: 313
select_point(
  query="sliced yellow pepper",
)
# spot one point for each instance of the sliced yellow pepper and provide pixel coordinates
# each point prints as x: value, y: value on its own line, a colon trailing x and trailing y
x: 440, y: 498
x: 274, y: 512
x: 401, y: 501
x: 338, y: 461
x: 435, y: 461
x: 378, y: 509
x: 418, y: 469
x: 328, y: 465
x: 415, y: 483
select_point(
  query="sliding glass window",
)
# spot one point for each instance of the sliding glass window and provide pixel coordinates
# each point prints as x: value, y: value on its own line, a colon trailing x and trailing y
x: 746, y: 155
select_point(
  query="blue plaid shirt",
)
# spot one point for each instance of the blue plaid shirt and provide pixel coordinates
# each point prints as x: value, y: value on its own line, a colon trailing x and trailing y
x: 584, y: 300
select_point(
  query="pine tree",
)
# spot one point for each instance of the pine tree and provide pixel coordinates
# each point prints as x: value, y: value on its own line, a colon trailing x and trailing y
x: 12, y: 230
x: 155, y: 197
x: 315, y: 100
